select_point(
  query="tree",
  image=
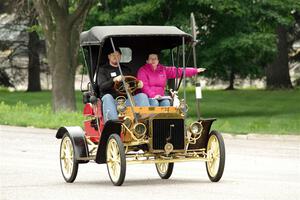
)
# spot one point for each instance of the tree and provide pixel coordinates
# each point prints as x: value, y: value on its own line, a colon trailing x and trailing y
x: 277, y: 72
x: 237, y: 38
x: 24, y: 17
x: 276, y: 17
x: 62, y: 22
x: 34, y: 43
x: 229, y: 45
x: 25, y: 12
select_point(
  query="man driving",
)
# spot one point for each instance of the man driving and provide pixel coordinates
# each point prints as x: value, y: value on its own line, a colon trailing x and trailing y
x: 108, y: 75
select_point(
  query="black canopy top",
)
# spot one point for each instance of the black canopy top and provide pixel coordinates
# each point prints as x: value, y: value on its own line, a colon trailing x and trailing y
x: 98, y: 34
x: 141, y: 40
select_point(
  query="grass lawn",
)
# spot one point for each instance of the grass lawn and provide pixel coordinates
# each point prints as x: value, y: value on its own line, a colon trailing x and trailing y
x: 251, y: 111
x: 240, y: 111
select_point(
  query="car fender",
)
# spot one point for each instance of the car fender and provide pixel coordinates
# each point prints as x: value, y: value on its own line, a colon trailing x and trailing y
x: 207, y: 123
x: 110, y: 127
x: 202, y: 141
x: 78, y: 139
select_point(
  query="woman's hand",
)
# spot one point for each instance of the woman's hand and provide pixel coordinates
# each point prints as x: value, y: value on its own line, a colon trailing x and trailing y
x: 157, y: 96
x: 199, y: 70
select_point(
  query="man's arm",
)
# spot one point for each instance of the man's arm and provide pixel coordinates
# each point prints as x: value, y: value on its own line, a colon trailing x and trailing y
x: 104, y: 82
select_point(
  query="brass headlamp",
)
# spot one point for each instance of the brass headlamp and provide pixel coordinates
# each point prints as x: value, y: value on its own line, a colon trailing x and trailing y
x: 139, y: 130
x: 196, y: 129
x: 127, y: 121
x: 121, y: 106
x: 183, y: 107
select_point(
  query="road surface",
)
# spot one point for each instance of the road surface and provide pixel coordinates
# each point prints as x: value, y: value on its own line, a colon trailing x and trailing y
x: 257, y: 167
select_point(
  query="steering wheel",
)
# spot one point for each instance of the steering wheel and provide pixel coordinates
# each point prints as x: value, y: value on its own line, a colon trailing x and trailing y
x: 132, y: 85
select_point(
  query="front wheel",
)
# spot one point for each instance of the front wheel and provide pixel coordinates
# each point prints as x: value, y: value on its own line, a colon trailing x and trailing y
x: 115, y: 159
x: 68, y: 162
x: 164, y: 170
x: 216, y: 156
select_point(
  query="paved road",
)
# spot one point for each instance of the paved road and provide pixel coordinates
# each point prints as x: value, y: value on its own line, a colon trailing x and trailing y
x: 256, y: 168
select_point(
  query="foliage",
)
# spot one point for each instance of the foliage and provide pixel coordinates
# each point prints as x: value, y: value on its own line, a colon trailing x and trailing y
x: 241, y: 36
x: 242, y: 111
x: 235, y: 36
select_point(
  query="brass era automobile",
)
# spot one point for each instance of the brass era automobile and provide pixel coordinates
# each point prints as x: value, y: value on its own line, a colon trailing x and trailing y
x: 157, y: 135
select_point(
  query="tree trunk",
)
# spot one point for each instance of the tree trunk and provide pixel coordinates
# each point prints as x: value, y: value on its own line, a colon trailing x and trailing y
x: 4, y: 79
x: 231, y: 81
x: 34, y: 82
x: 63, y: 72
x: 62, y: 28
x: 277, y: 73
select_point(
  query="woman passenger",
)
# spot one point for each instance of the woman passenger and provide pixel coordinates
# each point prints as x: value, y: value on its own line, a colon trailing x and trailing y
x: 155, y: 75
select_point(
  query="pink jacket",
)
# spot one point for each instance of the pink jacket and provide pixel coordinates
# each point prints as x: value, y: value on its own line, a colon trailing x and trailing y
x: 156, y: 80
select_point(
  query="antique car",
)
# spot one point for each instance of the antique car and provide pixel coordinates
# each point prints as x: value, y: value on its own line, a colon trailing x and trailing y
x: 141, y: 135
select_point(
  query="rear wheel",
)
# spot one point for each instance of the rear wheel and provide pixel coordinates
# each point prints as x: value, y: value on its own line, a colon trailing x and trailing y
x: 216, y: 155
x: 116, y: 160
x: 68, y: 162
x: 164, y: 170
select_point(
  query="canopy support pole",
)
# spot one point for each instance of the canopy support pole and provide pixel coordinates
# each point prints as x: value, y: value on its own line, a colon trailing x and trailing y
x: 129, y: 96
x: 184, y: 74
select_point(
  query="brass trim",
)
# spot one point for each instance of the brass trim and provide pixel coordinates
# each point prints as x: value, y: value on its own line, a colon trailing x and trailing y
x: 128, y: 118
x: 147, y: 157
x: 135, y: 143
x: 198, y: 133
x: 127, y: 130
x: 151, y: 161
x: 168, y: 148
x: 121, y: 99
x: 143, y: 133
x: 191, y: 137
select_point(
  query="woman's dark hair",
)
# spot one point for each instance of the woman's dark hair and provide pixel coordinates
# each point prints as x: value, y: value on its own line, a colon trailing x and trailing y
x: 153, y: 52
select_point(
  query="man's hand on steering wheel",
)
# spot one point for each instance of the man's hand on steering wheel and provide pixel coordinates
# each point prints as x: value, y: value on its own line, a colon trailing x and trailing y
x: 117, y: 78
x: 131, y: 82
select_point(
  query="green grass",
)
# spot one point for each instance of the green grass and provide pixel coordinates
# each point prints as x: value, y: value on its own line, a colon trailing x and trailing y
x: 240, y: 111
x: 251, y: 111
x: 34, y: 109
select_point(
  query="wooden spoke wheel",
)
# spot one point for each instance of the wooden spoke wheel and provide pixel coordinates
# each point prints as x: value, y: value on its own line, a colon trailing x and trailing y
x: 216, y: 155
x: 68, y: 162
x: 164, y: 170
x: 116, y: 160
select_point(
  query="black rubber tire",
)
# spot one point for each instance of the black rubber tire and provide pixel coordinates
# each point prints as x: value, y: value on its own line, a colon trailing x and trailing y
x: 73, y: 176
x: 220, y: 170
x: 121, y: 148
x: 168, y: 173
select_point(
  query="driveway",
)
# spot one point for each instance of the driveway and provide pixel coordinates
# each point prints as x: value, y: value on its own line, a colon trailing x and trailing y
x: 257, y: 167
